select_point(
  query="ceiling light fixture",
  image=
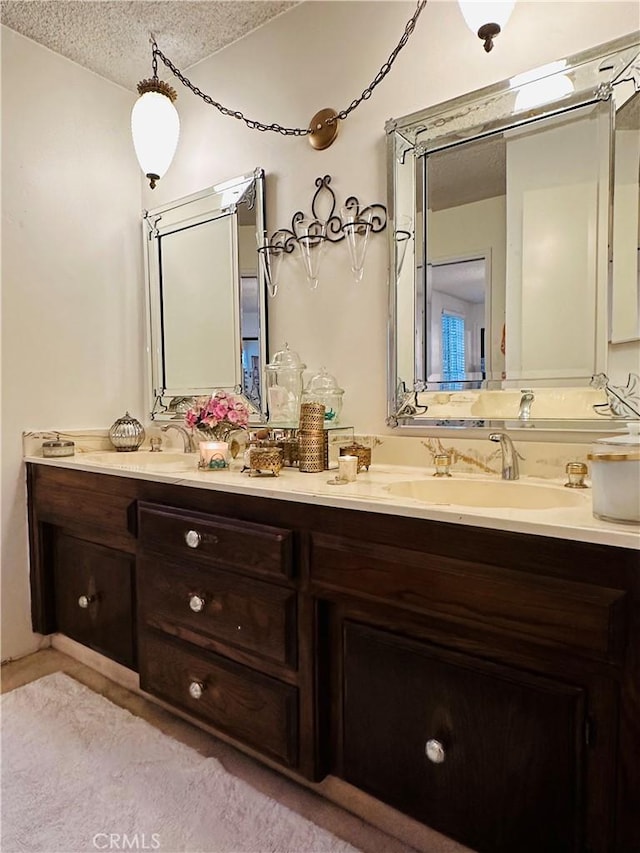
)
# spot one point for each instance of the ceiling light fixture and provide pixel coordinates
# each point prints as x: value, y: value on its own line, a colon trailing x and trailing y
x: 149, y: 129
x: 486, y: 19
x: 155, y: 125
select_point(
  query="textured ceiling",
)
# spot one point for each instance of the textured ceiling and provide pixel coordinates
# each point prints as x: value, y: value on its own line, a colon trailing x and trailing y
x: 111, y: 37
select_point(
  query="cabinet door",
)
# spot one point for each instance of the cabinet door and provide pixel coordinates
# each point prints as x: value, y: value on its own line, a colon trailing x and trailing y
x: 93, y: 597
x: 488, y: 755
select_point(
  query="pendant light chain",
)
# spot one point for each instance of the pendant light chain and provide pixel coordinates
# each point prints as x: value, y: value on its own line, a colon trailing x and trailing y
x: 277, y: 128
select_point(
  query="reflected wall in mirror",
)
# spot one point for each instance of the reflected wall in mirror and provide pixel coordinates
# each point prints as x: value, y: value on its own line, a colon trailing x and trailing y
x: 206, y: 305
x: 515, y: 244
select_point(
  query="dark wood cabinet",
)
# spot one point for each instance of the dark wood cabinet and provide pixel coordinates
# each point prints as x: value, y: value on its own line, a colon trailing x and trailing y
x: 368, y: 646
x: 473, y: 749
x: 217, y: 624
x: 93, y: 588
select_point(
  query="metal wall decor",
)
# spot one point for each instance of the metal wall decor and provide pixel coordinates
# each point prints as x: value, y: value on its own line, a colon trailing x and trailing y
x: 312, y: 233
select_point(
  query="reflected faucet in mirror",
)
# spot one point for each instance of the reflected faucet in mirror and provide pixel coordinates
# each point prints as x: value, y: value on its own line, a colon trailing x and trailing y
x: 524, y: 412
x: 188, y: 442
x: 510, y: 470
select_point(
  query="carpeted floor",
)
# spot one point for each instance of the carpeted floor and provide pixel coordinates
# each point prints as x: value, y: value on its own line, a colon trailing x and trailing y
x: 78, y: 771
x: 336, y: 810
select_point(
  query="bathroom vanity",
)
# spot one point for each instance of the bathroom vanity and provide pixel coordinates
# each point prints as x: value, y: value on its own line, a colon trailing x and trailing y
x: 483, y: 681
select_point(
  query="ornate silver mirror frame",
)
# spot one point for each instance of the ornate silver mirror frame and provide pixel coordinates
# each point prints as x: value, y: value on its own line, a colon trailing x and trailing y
x: 586, y: 90
x: 206, y: 306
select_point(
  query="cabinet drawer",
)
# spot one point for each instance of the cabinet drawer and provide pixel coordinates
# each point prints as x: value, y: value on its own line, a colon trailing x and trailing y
x: 215, y: 540
x: 511, y: 771
x: 254, y: 709
x: 249, y: 614
x: 544, y: 610
x: 93, y: 597
x: 93, y: 503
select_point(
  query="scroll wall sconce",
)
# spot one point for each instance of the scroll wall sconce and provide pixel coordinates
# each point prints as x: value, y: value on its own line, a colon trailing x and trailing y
x: 311, y: 235
x: 155, y: 124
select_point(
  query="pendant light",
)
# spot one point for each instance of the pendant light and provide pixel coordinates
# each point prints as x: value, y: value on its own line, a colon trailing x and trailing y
x: 155, y: 127
x: 486, y: 19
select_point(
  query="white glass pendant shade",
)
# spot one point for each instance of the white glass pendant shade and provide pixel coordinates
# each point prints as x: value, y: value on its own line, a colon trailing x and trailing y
x: 478, y: 12
x: 155, y: 127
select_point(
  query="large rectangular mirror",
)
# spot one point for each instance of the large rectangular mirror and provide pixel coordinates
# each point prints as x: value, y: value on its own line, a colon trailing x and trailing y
x: 206, y: 296
x: 515, y: 248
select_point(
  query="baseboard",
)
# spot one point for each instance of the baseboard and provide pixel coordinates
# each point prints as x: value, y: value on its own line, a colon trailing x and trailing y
x: 105, y: 666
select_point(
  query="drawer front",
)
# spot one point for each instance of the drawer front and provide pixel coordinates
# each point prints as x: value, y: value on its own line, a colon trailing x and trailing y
x: 76, y: 499
x: 254, y: 709
x: 93, y: 597
x: 544, y: 610
x: 249, y: 614
x: 489, y: 755
x: 214, y: 540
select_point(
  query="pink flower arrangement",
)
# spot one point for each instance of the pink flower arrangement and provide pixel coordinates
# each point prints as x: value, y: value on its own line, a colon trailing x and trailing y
x: 218, y: 416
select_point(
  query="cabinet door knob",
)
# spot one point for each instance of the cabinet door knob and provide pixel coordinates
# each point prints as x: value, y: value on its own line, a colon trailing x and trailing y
x: 435, y: 751
x: 85, y: 600
x: 196, y: 689
x: 192, y: 538
x: 196, y: 603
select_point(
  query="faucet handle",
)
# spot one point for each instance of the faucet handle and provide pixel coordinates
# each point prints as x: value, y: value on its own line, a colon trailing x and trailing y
x: 442, y: 461
x: 576, y: 472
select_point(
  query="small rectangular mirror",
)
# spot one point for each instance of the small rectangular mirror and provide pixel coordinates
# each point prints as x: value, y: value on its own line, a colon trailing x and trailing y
x: 206, y: 303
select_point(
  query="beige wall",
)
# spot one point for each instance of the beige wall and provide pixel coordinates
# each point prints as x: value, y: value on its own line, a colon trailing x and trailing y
x: 323, y: 55
x: 72, y: 282
x: 71, y: 276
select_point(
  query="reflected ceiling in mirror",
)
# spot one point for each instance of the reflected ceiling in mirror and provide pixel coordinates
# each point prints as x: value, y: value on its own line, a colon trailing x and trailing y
x: 206, y: 305
x: 504, y: 241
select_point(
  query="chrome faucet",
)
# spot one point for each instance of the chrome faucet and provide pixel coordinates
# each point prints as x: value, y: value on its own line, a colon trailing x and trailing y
x: 187, y: 438
x: 524, y: 413
x: 509, y: 456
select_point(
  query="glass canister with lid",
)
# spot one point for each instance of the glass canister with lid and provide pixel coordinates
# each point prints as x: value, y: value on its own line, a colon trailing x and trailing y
x: 284, y: 387
x: 615, y: 476
x: 323, y: 388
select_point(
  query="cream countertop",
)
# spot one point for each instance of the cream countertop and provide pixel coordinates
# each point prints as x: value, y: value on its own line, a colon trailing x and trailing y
x: 369, y: 494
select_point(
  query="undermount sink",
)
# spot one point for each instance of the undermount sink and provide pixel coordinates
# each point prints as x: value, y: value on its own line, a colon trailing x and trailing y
x: 137, y: 460
x: 518, y: 494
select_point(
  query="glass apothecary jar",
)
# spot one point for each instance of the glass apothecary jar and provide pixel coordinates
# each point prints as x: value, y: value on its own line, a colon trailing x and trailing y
x: 284, y: 387
x: 323, y: 388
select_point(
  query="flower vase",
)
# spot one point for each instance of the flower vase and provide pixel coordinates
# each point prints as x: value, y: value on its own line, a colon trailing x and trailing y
x: 214, y: 455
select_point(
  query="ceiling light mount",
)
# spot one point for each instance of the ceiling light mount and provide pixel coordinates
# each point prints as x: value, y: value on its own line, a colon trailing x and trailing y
x: 323, y: 128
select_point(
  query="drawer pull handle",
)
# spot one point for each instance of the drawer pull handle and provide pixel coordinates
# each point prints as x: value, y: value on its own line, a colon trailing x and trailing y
x: 196, y: 603
x: 192, y: 538
x: 85, y: 600
x: 196, y: 689
x: 435, y: 751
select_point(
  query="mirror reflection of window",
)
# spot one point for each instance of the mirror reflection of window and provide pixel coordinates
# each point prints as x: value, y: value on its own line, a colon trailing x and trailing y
x: 457, y: 316
x: 250, y: 325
